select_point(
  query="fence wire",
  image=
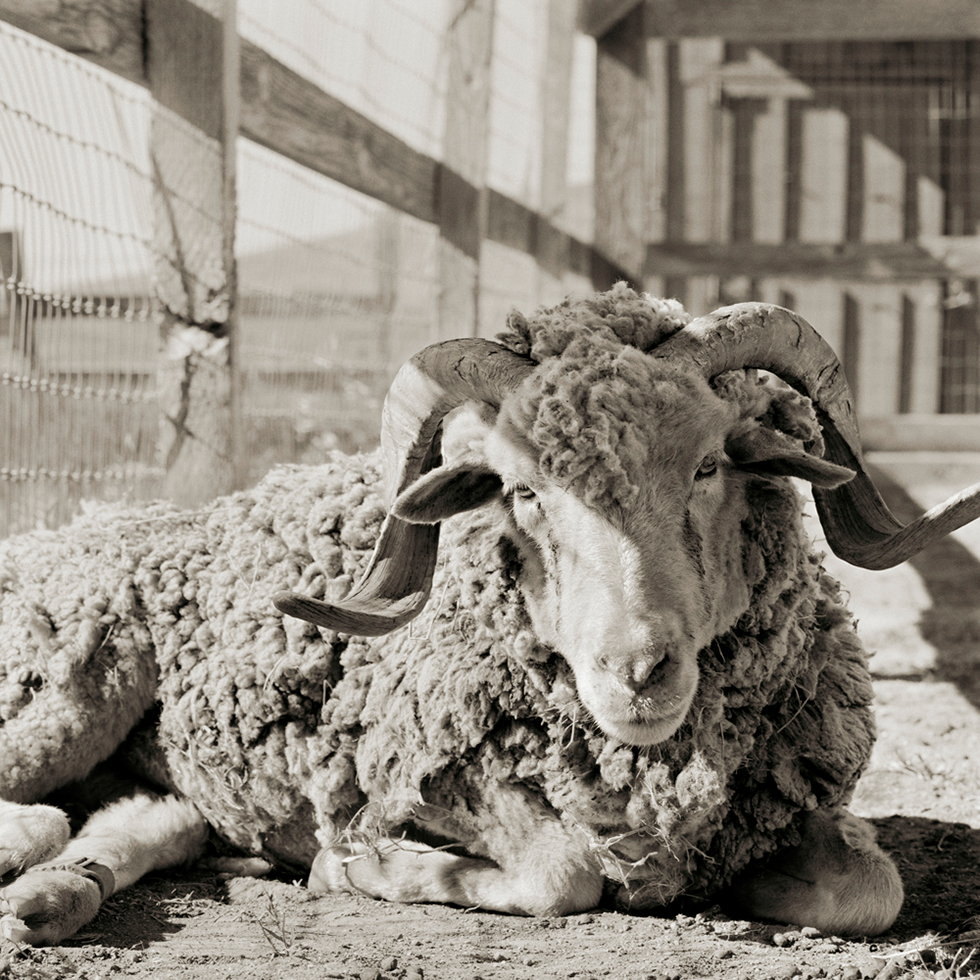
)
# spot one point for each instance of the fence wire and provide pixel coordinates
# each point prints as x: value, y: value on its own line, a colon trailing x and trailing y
x: 78, y: 326
x: 336, y: 291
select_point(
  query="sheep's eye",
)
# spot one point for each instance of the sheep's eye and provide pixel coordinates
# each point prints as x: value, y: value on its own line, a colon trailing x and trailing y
x: 708, y: 467
x: 523, y: 491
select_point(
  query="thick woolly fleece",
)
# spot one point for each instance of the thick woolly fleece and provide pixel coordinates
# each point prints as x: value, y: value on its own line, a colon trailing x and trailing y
x: 284, y: 734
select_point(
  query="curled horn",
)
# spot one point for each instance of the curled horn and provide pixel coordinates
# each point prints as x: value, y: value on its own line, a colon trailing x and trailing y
x: 859, y: 526
x: 396, y: 584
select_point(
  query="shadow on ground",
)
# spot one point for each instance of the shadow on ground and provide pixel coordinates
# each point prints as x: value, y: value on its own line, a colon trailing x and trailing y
x: 951, y: 575
x: 940, y: 867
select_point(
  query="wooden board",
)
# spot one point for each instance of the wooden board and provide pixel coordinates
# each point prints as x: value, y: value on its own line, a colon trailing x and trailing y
x: 759, y: 21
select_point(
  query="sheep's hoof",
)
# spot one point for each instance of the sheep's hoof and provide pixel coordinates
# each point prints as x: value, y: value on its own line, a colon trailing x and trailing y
x: 43, y: 907
x: 837, y: 880
x: 395, y: 871
x: 29, y: 835
x: 328, y: 874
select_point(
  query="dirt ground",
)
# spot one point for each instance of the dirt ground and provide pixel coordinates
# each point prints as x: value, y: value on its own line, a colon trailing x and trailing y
x: 921, y: 790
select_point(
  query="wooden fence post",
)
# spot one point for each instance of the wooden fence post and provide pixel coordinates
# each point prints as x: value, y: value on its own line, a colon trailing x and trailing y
x: 192, y: 69
x: 622, y: 198
x: 463, y: 214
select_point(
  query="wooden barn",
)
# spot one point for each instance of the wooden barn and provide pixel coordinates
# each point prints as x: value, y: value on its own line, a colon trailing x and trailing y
x: 818, y: 154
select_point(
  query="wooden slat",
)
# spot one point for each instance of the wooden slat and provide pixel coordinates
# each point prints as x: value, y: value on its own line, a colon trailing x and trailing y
x: 108, y: 33
x: 768, y: 164
x: 850, y: 346
x: 596, y: 17
x: 823, y: 174
x: 760, y: 21
x: 620, y: 138
x: 556, y: 107
x: 927, y: 300
x: 884, y: 192
x: 675, y: 219
x: 658, y: 138
x: 462, y: 175
x: 871, y: 262
x: 907, y: 356
x: 744, y: 191
x: 706, y: 178
x: 877, y: 347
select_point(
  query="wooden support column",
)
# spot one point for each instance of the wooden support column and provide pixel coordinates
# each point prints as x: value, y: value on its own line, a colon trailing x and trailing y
x: 461, y: 182
x: 193, y: 70
x: 555, y: 105
x: 622, y: 195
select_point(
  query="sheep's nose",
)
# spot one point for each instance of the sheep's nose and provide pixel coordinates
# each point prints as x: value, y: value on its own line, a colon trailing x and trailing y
x: 634, y: 671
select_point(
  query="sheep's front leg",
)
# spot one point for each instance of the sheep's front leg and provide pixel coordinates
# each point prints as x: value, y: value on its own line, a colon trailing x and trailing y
x: 533, y: 864
x: 837, y: 880
x: 119, y: 844
x: 29, y: 834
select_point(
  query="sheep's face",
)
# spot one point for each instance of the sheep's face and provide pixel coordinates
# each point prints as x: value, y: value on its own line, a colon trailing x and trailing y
x: 629, y: 596
x: 627, y: 505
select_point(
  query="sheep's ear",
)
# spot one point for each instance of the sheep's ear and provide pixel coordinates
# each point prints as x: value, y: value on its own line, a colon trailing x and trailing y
x: 771, y: 453
x: 445, y: 491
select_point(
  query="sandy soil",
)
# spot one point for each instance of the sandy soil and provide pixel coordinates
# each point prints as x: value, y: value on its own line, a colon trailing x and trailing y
x: 922, y: 791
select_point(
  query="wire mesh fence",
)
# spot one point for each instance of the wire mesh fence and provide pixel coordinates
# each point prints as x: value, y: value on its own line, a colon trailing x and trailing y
x: 336, y: 292
x: 110, y: 235
x: 78, y: 338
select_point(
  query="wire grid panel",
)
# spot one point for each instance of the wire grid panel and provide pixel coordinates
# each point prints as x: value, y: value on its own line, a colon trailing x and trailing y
x: 78, y: 327
x: 385, y: 58
x: 866, y: 146
x: 336, y: 291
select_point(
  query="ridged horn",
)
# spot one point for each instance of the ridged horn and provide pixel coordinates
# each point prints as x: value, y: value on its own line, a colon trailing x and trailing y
x: 859, y: 526
x: 396, y: 584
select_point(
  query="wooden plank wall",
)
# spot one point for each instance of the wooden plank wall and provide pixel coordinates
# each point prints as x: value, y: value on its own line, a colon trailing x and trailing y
x: 791, y: 193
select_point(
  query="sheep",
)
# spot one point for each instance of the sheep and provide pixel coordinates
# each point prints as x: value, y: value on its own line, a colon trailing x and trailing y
x: 627, y: 680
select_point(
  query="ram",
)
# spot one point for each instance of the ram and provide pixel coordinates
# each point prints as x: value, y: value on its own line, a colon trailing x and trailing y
x: 628, y: 679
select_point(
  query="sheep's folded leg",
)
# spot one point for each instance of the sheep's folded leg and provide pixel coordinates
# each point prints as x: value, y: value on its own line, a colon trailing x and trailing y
x: 534, y: 865
x: 407, y: 871
x: 837, y: 880
x: 119, y: 844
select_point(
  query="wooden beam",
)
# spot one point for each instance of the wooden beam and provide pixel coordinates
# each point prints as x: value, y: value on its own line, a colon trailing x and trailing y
x: 858, y: 261
x: 290, y: 115
x: 763, y: 21
x: 108, y: 33
x: 597, y: 17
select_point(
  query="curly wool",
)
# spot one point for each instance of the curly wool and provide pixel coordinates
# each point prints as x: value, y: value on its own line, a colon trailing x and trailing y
x: 125, y: 607
x: 578, y: 412
x: 613, y: 319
